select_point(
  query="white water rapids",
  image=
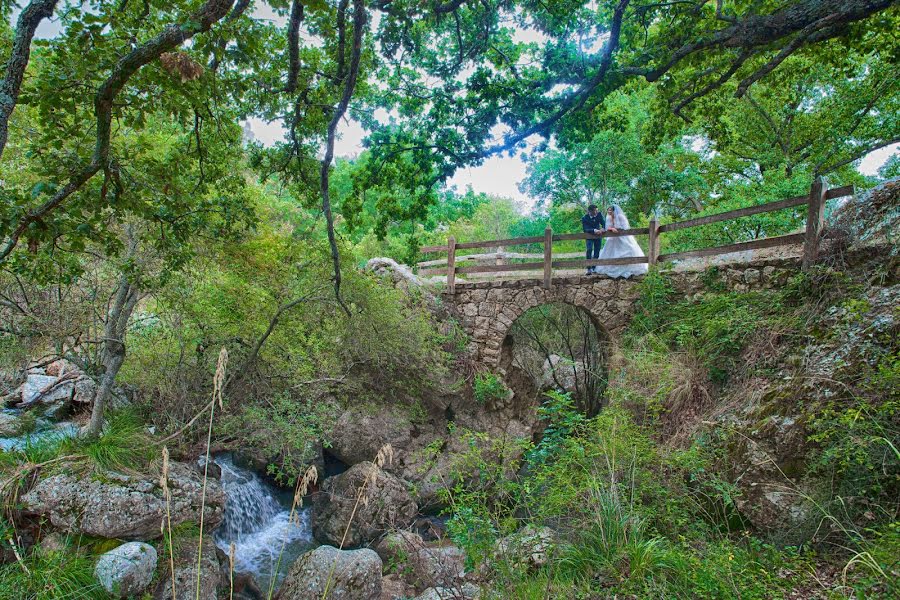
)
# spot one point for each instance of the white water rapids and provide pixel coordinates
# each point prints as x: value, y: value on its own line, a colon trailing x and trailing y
x: 257, y: 520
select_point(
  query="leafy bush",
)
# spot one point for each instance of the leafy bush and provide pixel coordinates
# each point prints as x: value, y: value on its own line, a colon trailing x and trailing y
x: 489, y: 387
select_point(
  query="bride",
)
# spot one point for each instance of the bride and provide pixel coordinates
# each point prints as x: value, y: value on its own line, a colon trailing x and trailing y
x: 619, y: 247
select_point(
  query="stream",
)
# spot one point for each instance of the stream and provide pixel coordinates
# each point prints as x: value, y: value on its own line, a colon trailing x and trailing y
x: 45, y: 431
x: 257, y: 520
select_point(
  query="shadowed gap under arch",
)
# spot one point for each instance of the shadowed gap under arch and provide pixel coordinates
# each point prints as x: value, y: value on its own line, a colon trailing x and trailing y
x: 561, y: 346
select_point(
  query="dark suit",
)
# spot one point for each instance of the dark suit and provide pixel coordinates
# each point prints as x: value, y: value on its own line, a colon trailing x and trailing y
x: 588, y: 225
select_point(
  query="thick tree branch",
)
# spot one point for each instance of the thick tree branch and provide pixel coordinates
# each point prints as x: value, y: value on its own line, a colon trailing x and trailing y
x: 293, y: 38
x: 236, y: 12
x: 861, y: 152
x: 757, y: 31
x: 359, y: 24
x: 738, y: 62
x: 169, y: 38
x: 29, y: 19
x: 800, y: 39
x: 575, y: 100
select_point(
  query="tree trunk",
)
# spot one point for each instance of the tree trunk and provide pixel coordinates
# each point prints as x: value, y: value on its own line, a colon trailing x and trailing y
x: 114, y: 331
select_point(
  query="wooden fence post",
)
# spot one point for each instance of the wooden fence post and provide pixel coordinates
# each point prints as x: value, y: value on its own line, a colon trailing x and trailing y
x: 548, y: 257
x: 815, y: 222
x: 653, y: 245
x: 451, y: 265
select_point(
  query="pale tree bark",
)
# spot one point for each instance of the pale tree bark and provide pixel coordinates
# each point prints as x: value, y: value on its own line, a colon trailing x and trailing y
x: 30, y: 17
x: 116, y: 326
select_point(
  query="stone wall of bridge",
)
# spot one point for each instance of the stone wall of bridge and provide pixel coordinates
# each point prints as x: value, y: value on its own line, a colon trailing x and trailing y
x: 487, y: 310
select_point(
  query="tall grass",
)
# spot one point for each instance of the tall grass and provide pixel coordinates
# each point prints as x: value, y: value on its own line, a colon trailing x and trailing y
x: 124, y: 445
x: 50, y: 575
x: 218, y: 390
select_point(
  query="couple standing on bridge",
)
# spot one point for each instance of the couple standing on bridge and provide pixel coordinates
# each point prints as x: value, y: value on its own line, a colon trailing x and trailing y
x: 616, y: 247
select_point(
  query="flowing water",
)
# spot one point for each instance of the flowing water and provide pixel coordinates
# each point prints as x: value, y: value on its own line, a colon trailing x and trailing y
x: 258, y: 522
x: 44, y: 431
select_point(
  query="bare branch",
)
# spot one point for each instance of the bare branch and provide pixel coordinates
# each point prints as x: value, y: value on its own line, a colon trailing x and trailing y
x: 236, y: 12
x: 861, y: 152
x: 738, y: 62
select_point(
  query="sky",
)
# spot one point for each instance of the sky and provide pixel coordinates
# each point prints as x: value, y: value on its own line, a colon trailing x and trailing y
x: 499, y: 175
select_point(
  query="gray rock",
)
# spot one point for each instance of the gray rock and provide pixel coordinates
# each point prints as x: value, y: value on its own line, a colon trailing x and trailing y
x: 123, y: 506
x: 386, y: 504
x: 361, y: 431
x: 127, y: 570
x: 467, y: 591
x: 211, y: 580
x: 529, y: 547
x: 423, y: 564
x: 347, y: 575
x: 394, y: 588
x: 36, y: 383
x: 562, y: 374
x: 10, y: 425
x: 54, y: 542
x: 86, y: 388
x: 57, y: 411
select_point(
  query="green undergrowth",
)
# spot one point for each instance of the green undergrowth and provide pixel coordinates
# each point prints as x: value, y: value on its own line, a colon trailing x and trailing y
x: 632, y: 518
x: 641, y: 497
x: 124, y: 446
x: 64, y: 574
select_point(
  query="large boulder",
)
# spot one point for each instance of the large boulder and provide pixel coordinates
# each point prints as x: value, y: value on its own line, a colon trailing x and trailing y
x: 399, y: 275
x: 127, y: 570
x: 422, y: 564
x: 377, y: 501
x: 186, y: 588
x: 562, y: 374
x: 61, y: 382
x: 343, y: 574
x: 124, y: 506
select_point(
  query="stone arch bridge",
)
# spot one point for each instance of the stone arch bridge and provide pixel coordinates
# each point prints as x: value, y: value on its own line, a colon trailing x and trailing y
x: 486, y: 310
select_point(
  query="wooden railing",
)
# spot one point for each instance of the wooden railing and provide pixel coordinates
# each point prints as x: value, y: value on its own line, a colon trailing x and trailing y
x: 810, y: 237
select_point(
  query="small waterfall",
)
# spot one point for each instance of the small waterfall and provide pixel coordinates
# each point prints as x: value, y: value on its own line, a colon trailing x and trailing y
x: 257, y: 520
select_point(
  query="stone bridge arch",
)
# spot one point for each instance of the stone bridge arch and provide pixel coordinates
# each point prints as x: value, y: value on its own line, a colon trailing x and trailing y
x: 488, y: 310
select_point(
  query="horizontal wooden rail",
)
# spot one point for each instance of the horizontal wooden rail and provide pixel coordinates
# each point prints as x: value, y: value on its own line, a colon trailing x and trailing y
x: 565, y: 237
x: 535, y: 239
x: 735, y: 214
x: 535, y: 266
x: 846, y: 190
x: 497, y: 256
x: 531, y: 266
x: 781, y: 240
x: 599, y: 262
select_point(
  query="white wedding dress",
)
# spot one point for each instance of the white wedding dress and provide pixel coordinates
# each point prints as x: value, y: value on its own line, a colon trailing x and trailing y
x: 620, y: 247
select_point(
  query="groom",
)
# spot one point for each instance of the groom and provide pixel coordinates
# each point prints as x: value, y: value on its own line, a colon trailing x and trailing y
x: 592, y: 222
